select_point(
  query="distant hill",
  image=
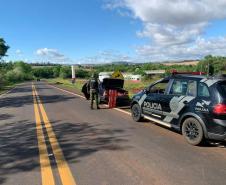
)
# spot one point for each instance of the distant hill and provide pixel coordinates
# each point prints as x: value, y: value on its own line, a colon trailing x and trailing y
x: 170, y: 63
x: 126, y: 63
x: 185, y: 62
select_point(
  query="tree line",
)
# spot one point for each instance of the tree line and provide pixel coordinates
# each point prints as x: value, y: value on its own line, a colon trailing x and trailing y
x: 13, y: 72
x: 209, y: 64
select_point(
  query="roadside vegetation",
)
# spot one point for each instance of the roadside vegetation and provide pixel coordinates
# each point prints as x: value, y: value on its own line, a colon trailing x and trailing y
x: 67, y: 83
x: 13, y: 73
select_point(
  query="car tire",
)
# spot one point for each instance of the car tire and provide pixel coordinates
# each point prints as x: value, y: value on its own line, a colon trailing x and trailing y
x: 192, y: 131
x: 136, y: 113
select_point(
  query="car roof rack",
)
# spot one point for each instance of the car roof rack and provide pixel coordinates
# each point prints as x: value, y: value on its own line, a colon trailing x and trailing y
x: 175, y: 72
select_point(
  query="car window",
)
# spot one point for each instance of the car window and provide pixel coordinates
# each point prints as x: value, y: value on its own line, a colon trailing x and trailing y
x: 222, y: 85
x: 192, y: 88
x: 179, y: 87
x: 159, y: 88
x: 203, y: 90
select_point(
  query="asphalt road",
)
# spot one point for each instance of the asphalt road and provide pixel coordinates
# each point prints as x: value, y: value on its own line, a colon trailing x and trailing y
x: 48, y: 136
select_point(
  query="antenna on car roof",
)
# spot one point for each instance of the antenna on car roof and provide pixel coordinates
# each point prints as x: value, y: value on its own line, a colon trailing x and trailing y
x: 208, y: 69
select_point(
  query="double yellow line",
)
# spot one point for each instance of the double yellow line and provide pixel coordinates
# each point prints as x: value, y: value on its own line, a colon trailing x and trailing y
x: 46, y: 170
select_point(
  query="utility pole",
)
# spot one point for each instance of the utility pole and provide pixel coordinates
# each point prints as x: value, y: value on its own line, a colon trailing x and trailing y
x: 73, y: 74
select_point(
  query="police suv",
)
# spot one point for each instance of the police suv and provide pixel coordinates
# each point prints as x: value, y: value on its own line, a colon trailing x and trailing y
x: 191, y: 103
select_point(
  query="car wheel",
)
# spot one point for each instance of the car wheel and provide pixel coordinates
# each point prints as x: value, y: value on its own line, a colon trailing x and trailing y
x: 192, y: 131
x: 136, y: 112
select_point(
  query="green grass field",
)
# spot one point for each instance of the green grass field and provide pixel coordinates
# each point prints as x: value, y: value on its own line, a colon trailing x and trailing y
x: 67, y: 82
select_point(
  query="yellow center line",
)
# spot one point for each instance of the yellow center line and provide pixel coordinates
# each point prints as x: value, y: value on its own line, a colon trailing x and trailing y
x: 46, y: 171
x: 62, y: 165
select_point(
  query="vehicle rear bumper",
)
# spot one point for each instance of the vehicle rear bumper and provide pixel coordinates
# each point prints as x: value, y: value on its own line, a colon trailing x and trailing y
x: 220, y: 129
x: 121, y: 100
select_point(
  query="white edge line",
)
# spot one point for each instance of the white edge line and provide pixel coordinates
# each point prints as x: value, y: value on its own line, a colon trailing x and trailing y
x: 67, y: 91
x: 123, y: 111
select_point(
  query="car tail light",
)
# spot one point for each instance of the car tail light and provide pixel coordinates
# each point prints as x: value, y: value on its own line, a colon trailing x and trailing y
x: 120, y: 94
x: 220, y: 109
x: 106, y: 93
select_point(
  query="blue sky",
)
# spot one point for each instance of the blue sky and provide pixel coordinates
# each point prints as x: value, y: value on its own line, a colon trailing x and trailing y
x: 93, y: 31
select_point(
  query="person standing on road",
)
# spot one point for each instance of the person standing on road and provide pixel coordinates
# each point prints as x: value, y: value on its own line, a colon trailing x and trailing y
x: 94, y: 90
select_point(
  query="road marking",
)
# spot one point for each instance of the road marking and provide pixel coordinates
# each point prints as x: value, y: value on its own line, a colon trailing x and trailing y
x: 3, y: 94
x: 63, y: 167
x: 67, y: 91
x: 123, y: 111
x: 46, y: 171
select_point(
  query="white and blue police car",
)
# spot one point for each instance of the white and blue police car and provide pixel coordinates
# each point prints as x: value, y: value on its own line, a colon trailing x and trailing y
x: 191, y: 103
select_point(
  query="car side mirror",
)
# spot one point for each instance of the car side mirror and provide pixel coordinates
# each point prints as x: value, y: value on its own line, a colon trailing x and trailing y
x: 146, y: 90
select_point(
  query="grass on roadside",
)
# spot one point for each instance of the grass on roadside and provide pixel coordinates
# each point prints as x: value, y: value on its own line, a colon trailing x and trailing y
x: 67, y: 83
x: 7, y: 87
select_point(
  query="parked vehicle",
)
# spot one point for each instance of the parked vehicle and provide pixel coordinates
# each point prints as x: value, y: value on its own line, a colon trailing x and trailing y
x: 193, y: 104
x: 114, y: 84
x: 105, y: 86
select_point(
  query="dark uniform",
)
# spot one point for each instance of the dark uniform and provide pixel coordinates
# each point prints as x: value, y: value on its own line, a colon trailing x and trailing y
x: 94, y: 91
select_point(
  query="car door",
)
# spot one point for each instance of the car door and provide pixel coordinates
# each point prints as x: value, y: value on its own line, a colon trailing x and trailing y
x: 179, y: 97
x: 203, y: 101
x: 152, y: 105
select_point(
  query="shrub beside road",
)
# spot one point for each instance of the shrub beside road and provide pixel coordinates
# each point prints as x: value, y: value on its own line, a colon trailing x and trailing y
x: 13, y: 73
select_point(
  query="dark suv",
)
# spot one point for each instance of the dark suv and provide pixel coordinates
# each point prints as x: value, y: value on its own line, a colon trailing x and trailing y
x: 104, y: 87
x: 192, y: 104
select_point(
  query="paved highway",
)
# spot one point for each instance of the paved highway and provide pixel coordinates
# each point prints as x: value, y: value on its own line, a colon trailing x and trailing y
x: 48, y: 136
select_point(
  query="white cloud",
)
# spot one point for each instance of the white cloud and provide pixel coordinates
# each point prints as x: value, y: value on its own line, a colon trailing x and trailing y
x: 112, y: 55
x: 18, y: 52
x: 174, y: 12
x: 201, y: 47
x: 52, y: 55
x: 168, y: 34
x: 106, y: 56
x: 174, y: 27
x: 49, y: 52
